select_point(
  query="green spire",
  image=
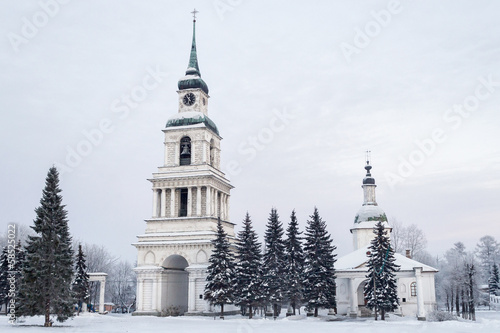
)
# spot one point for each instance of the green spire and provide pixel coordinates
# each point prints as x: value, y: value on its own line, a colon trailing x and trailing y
x: 193, y: 68
x: 193, y: 79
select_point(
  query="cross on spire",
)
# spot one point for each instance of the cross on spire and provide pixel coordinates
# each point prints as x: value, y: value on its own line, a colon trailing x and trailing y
x: 368, y: 157
x: 194, y: 12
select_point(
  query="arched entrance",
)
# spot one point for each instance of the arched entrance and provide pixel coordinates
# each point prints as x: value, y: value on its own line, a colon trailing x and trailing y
x: 363, y: 310
x: 175, y: 285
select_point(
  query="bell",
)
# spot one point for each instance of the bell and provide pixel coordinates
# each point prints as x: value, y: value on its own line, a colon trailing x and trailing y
x: 185, y: 150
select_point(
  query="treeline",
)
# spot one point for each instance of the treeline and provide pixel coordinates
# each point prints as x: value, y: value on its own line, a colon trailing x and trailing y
x: 295, y: 269
x: 44, y: 275
x: 466, y: 279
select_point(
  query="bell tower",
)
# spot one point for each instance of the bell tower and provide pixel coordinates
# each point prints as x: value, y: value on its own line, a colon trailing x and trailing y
x: 190, y: 193
x: 369, y: 214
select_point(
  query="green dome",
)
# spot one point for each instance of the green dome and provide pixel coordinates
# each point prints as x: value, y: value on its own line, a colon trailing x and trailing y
x: 193, y: 79
x: 191, y: 118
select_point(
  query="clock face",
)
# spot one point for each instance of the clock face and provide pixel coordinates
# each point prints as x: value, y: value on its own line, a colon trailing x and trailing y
x: 189, y: 99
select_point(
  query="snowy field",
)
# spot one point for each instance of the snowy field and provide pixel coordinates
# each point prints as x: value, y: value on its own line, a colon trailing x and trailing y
x: 486, y: 322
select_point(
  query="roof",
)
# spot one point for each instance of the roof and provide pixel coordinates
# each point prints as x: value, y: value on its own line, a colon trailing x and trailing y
x: 370, y: 213
x: 191, y: 118
x: 193, y: 75
x: 356, y: 261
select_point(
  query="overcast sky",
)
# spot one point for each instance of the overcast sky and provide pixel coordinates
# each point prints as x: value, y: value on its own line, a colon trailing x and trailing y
x: 299, y: 91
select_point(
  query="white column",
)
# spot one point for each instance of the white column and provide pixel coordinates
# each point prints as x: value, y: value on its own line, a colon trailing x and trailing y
x: 198, y: 201
x: 216, y: 203
x: 163, y: 202
x: 192, y: 293
x: 154, y: 293
x: 228, y: 218
x: 189, y: 202
x: 420, y: 296
x: 101, y: 295
x: 155, y: 202
x: 353, y: 298
x: 172, y: 202
x: 208, y: 205
x: 139, y: 295
x: 224, y: 206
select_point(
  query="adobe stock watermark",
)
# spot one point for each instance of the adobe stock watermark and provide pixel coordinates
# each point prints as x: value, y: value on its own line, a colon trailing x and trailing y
x: 12, y: 274
x: 224, y: 6
x: 363, y: 37
x: 253, y: 144
x: 453, y: 119
x: 31, y: 25
x: 121, y: 108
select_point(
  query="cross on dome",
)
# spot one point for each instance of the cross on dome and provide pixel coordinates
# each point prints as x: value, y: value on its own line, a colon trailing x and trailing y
x: 194, y: 12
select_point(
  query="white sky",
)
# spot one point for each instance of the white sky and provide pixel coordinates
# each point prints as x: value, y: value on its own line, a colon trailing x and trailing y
x: 258, y: 58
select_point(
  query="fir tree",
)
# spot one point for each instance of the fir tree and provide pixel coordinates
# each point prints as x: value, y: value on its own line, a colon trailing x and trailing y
x: 494, y: 281
x: 219, y: 289
x: 273, y: 280
x: 4, y: 274
x: 10, y: 275
x: 48, y: 268
x: 381, y: 288
x: 319, y: 271
x: 294, y: 263
x: 248, y: 270
x: 81, y: 286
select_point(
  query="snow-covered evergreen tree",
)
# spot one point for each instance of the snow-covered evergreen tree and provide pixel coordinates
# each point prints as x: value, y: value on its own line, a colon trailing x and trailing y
x: 273, y: 266
x: 48, y: 268
x: 381, y: 289
x: 294, y: 264
x: 4, y: 274
x: 219, y: 289
x: 319, y: 270
x: 81, y: 286
x: 248, y: 268
x: 494, y: 281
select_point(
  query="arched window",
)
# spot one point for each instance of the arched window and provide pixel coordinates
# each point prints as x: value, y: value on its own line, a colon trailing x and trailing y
x: 212, y: 151
x: 185, y: 151
x: 413, y: 289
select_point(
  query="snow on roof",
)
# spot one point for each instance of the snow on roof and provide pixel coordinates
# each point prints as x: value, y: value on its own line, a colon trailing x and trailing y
x: 355, y: 261
x: 180, y: 233
x: 187, y: 114
x: 370, y: 213
x: 193, y: 241
x: 189, y: 76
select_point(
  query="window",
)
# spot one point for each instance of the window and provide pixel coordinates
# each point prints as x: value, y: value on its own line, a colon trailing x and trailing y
x: 413, y: 289
x: 185, y: 151
x: 212, y: 151
x: 184, y: 203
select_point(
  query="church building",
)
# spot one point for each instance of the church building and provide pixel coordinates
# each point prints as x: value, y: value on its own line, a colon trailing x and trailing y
x: 190, y: 193
x: 415, y: 281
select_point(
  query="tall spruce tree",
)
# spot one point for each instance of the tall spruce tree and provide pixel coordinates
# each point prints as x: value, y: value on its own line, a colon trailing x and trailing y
x: 319, y: 271
x: 248, y: 268
x: 294, y: 264
x: 494, y: 281
x: 381, y: 288
x: 48, y: 268
x: 219, y: 289
x: 81, y: 285
x: 273, y: 267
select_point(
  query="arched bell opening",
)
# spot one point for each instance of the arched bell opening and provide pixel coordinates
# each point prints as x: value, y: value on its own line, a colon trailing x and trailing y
x: 185, y: 151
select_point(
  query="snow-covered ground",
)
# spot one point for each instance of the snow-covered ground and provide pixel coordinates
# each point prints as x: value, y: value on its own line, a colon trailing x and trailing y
x: 487, y: 321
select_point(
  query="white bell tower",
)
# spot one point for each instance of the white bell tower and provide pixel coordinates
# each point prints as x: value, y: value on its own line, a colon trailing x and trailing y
x: 190, y: 193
